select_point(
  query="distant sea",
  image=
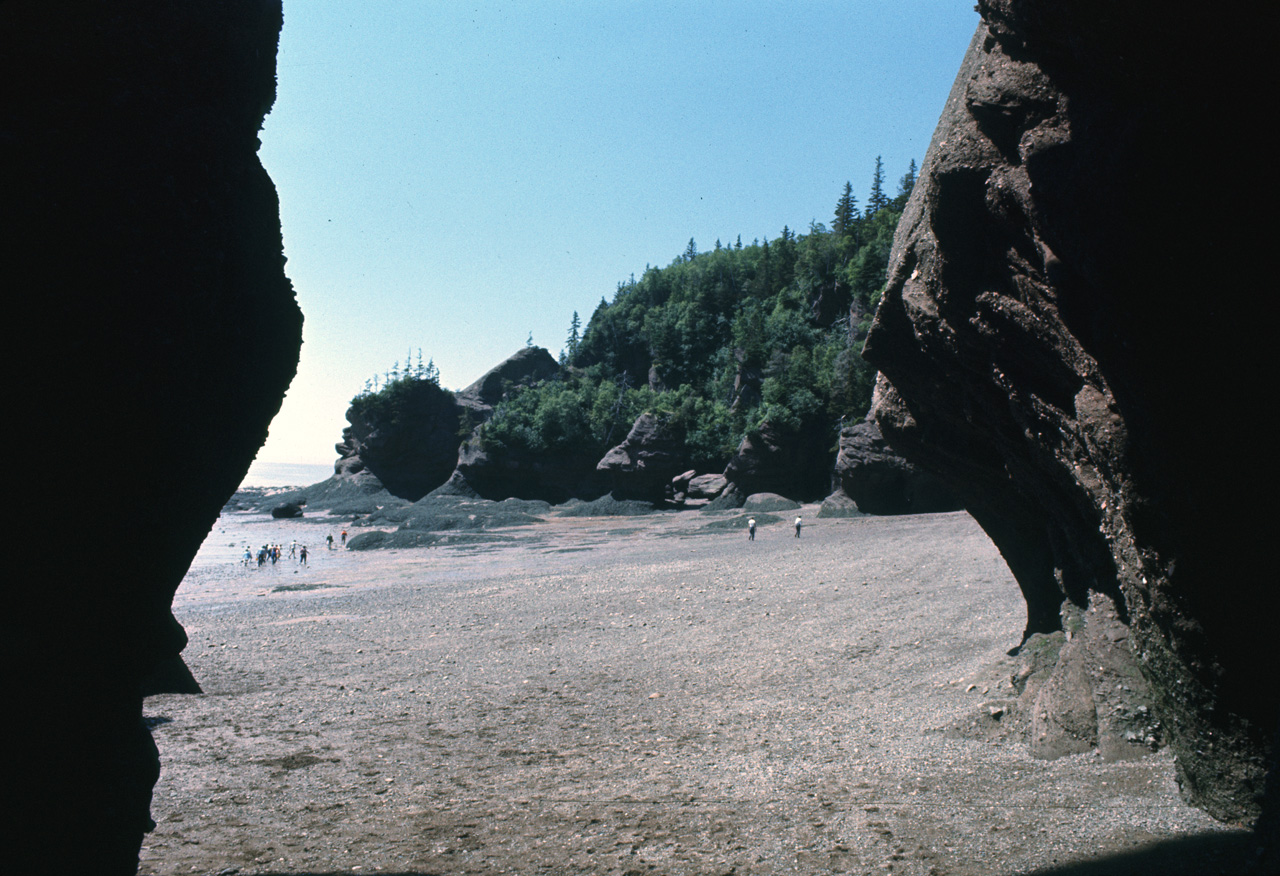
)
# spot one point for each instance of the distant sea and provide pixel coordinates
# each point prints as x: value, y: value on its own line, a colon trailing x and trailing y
x: 286, y: 474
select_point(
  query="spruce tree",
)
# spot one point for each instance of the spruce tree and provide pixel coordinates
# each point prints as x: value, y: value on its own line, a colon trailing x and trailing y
x: 907, y: 183
x: 846, y: 212
x: 877, y: 200
x: 574, y: 339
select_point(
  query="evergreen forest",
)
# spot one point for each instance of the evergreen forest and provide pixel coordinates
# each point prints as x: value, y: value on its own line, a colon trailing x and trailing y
x: 715, y: 344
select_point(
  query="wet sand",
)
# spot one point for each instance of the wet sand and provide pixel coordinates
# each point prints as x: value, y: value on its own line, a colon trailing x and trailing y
x: 632, y: 696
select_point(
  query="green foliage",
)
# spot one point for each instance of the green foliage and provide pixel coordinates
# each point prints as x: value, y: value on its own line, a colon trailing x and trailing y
x: 680, y: 339
x: 877, y: 200
x: 384, y: 400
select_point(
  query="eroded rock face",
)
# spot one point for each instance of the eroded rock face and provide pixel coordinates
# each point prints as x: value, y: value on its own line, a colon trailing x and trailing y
x: 793, y: 464
x: 645, y: 463
x: 525, y: 367
x: 1058, y: 312
x: 144, y: 272
x: 410, y: 453
x: 504, y: 474
x: 880, y: 481
x: 498, y: 475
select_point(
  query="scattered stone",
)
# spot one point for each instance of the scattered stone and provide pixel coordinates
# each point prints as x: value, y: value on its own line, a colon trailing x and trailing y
x: 707, y: 486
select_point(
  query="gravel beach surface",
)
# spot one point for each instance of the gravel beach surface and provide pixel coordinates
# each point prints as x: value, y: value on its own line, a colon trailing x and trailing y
x: 632, y: 696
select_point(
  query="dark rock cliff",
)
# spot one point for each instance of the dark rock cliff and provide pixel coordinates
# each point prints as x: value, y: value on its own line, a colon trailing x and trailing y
x: 154, y: 333
x: 644, y: 464
x: 504, y: 474
x: 796, y: 464
x: 880, y: 481
x: 524, y: 367
x: 412, y: 449
x: 1068, y: 321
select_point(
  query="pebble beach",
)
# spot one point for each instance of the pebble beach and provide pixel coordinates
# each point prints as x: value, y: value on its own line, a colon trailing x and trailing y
x: 649, y: 695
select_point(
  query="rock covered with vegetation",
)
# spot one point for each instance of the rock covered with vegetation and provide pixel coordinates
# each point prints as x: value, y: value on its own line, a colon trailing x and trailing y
x: 746, y: 352
x: 738, y: 362
x: 405, y: 435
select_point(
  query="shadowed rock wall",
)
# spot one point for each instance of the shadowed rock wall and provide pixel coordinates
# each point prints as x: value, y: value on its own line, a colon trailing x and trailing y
x: 1068, y: 341
x: 880, y: 481
x: 411, y: 450
x: 153, y: 333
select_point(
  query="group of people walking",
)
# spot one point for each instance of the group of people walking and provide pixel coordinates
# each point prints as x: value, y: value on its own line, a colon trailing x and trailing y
x: 273, y: 553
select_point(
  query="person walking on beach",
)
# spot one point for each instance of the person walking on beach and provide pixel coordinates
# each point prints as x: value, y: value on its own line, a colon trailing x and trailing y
x: 797, y: 527
x: 293, y: 549
x: 302, y: 555
x: 344, y: 537
x: 751, y: 529
x: 330, y: 539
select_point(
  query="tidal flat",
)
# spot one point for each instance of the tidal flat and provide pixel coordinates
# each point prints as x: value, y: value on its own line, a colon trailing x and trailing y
x: 651, y: 695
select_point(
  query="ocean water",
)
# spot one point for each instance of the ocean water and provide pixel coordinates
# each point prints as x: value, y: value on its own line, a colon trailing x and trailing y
x: 286, y: 474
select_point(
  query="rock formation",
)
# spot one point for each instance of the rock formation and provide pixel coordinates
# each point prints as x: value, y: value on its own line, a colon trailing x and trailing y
x: 525, y: 367
x: 404, y: 443
x: 880, y: 481
x: 502, y: 475
x: 155, y: 333
x: 645, y: 463
x: 796, y: 464
x: 760, y: 503
x: 707, y: 486
x: 1068, y: 304
x: 411, y: 447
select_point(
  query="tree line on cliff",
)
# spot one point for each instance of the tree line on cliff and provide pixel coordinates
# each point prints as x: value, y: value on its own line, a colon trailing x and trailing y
x: 716, y: 344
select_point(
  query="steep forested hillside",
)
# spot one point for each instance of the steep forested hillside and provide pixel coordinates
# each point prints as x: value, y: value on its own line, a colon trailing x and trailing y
x: 719, y: 342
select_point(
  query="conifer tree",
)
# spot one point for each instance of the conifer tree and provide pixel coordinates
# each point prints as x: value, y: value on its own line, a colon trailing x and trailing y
x: 907, y: 183
x: 877, y: 200
x: 575, y: 338
x: 846, y: 212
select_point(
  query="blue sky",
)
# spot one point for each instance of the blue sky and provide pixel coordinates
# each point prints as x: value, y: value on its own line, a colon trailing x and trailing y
x: 457, y: 176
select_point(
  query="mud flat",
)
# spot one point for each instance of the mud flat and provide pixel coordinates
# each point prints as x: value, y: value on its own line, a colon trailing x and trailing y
x: 632, y: 696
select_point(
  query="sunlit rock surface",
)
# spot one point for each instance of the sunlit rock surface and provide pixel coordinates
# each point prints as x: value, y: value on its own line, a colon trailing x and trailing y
x: 1068, y: 340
